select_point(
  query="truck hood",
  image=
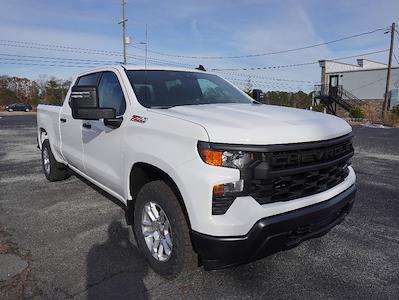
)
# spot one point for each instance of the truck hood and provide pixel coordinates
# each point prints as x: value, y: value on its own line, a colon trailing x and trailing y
x: 261, y: 124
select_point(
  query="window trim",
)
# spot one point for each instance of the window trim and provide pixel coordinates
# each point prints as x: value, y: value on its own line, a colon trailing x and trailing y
x: 98, y: 78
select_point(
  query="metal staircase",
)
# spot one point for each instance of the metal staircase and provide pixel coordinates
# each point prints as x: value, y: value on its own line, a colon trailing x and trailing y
x: 331, y: 96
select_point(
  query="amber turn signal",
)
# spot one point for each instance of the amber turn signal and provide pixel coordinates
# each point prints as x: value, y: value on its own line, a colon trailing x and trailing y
x: 218, y: 190
x: 212, y: 157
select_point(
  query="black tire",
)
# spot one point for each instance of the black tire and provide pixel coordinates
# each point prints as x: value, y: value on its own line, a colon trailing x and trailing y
x: 56, y: 171
x: 182, y: 259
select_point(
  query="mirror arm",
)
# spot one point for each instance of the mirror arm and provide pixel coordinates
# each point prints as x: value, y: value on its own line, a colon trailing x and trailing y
x: 113, y: 122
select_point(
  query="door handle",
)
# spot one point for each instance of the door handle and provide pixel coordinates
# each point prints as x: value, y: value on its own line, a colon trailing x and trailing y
x: 63, y: 120
x: 86, y: 125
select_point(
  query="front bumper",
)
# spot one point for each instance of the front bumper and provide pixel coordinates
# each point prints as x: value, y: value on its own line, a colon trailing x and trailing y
x: 272, y: 234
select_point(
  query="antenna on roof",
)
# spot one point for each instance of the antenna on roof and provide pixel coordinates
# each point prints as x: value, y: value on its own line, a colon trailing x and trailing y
x: 201, y: 68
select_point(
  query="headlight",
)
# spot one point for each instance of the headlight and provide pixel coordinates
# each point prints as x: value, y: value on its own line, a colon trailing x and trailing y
x: 227, y: 158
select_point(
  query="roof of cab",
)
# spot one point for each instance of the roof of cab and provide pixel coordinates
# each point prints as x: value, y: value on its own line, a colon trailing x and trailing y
x: 138, y: 67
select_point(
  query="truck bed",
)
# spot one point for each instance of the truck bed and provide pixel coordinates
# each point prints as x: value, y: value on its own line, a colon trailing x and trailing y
x: 48, y: 124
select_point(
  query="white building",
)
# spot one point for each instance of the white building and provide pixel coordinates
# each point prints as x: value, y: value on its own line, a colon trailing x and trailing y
x: 366, y: 80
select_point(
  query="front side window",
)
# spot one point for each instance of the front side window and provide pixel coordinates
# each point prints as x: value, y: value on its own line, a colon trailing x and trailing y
x: 90, y: 79
x: 165, y: 89
x: 110, y: 94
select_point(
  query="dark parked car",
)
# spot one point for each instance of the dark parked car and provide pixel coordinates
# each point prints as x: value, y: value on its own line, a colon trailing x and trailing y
x: 19, y: 107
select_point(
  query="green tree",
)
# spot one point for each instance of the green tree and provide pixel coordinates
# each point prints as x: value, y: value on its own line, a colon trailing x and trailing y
x: 356, y: 113
x: 7, y: 96
x: 52, y: 91
x: 299, y: 99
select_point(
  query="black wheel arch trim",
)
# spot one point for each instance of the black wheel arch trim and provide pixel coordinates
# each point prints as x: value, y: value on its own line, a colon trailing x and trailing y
x: 163, y: 176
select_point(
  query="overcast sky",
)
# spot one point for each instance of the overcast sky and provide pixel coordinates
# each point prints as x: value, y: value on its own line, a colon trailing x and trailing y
x: 197, y: 28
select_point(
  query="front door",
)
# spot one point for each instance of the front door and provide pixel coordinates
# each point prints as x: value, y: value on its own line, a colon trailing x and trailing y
x: 103, y: 146
x: 333, y: 85
x: 71, y: 129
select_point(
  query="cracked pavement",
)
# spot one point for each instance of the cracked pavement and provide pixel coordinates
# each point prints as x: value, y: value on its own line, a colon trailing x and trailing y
x: 76, y: 243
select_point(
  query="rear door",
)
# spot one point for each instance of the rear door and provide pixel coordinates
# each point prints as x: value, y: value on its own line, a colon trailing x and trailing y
x: 104, y: 146
x: 71, y: 129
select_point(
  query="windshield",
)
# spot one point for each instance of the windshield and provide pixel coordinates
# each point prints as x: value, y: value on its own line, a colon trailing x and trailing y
x: 164, y: 89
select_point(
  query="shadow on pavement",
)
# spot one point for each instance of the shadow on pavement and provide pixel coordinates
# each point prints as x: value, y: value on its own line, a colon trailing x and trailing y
x: 115, y: 269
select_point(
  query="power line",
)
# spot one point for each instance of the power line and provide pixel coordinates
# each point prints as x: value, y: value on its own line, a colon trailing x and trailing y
x: 265, y: 81
x: 269, y: 86
x: 59, y: 58
x: 64, y: 61
x: 296, y: 64
x: 43, y: 65
x: 60, y: 48
x: 263, y: 77
x: 397, y: 61
x: 50, y: 61
x: 41, y: 46
x: 371, y: 83
x: 268, y: 53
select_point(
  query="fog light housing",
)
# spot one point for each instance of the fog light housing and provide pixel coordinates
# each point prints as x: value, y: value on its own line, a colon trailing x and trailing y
x: 228, y: 189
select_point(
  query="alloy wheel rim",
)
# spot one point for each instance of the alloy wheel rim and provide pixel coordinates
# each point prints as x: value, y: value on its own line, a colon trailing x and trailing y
x: 46, y: 161
x: 156, y: 230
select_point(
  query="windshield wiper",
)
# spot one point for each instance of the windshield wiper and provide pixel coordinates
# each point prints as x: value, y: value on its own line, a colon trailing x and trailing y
x: 162, y: 106
x: 170, y: 106
x: 256, y: 102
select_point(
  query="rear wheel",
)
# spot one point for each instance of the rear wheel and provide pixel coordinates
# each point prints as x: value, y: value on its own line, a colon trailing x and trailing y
x: 162, y: 231
x: 53, y: 170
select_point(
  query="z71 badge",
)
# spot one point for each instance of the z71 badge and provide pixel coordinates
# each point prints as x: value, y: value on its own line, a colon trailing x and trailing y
x: 139, y: 119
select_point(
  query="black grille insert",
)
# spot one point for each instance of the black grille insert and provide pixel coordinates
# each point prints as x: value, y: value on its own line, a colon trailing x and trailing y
x: 289, y: 187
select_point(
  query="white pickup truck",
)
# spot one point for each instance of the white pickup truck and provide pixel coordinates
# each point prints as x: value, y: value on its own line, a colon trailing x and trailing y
x: 208, y: 176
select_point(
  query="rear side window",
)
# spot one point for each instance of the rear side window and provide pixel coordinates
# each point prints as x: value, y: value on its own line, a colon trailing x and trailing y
x: 90, y: 79
x: 110, y: 94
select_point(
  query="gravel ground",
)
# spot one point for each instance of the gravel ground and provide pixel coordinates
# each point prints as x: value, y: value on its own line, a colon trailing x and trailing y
x: 70, y: 240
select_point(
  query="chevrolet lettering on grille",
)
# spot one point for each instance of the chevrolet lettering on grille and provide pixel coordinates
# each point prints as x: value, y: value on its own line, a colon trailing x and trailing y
x: 310, y: 156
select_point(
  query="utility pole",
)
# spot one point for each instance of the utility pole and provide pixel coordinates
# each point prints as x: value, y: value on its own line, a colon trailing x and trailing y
x: 385, y: 104
x: 123, y: 22
x: 146, y: 46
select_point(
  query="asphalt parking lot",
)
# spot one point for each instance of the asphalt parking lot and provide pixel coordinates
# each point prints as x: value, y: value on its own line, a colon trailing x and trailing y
x: 70, y: 240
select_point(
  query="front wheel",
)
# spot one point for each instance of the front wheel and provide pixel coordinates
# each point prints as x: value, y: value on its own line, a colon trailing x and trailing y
x: 162, y: 231
x: 53, y: 170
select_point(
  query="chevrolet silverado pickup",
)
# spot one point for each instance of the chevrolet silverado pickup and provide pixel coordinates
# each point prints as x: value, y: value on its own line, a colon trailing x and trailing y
x: 207, y: 175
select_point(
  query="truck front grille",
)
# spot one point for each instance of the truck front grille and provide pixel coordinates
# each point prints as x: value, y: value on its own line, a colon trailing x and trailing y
x: 292, y: 171
x: 297, y: 185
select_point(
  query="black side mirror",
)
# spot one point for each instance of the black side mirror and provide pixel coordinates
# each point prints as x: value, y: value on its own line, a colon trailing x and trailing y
x: 257, y: 95
x: 84, y: 103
